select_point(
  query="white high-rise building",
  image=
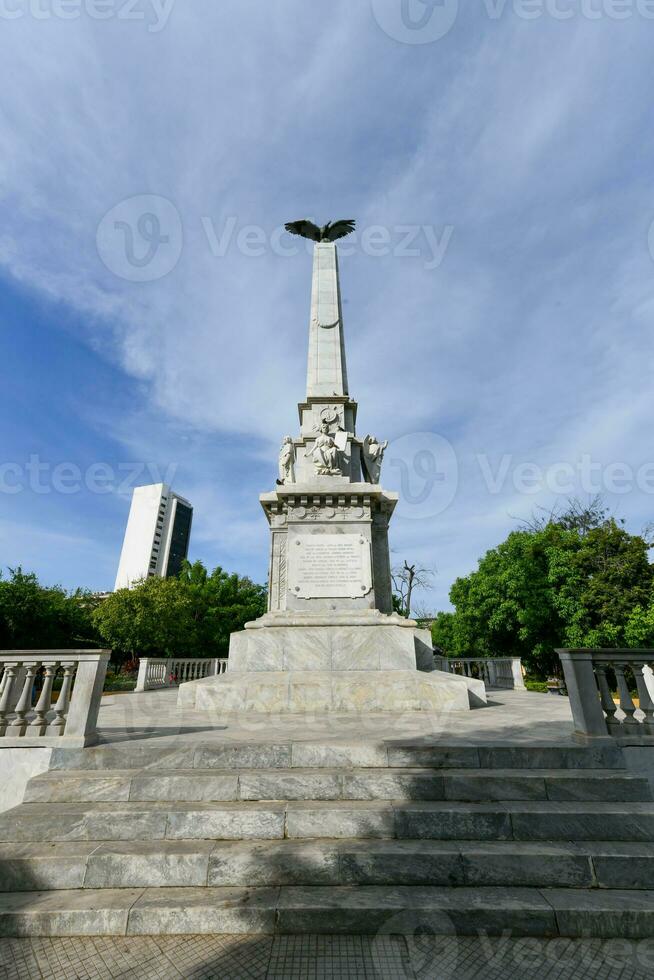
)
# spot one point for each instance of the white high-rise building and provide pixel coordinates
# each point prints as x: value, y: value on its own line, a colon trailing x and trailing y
x: 157, y: 535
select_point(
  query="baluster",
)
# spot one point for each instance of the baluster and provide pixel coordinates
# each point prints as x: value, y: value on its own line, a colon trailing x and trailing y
x: 61, y: 706
x: 644, y: 697
x: 9, y: 678
x: 39, y: 723
x: 19, y: 723
x: 606, y: 698
x: 626, y: 701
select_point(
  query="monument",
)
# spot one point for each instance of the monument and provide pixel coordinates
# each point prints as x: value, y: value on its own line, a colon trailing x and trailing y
x: 330, y: 640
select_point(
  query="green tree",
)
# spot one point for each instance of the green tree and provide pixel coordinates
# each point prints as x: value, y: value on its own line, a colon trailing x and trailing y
x: 152, y: 619
x: 34, y: 616
x: 442, y: 633
x: 188, y: 616
x: 571, y: 580
x: 221, y: 604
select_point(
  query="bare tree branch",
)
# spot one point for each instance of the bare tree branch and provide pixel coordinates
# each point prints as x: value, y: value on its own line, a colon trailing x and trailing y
x: 406, y: 578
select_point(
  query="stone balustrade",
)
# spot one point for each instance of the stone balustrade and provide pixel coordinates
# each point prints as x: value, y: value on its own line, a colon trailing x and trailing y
x: 32, y: 712
x: 159, y: 672
x: 589, y: 676
x: 498, y: 672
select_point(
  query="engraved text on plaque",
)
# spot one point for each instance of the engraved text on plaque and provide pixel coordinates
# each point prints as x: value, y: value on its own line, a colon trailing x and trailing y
x: 329, y: 566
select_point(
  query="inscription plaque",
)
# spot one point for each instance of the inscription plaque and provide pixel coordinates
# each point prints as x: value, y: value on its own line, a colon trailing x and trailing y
x: 329, y: 566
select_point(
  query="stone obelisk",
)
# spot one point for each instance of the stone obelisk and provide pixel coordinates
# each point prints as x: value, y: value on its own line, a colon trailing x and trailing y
x: 330, y: 640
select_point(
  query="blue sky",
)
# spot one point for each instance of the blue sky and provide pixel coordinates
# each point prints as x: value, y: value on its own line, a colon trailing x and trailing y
x: 498, y: 297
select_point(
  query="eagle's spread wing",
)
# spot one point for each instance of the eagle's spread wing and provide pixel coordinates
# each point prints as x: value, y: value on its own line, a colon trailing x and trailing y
x: 305, y: 228
x: 339, y: 229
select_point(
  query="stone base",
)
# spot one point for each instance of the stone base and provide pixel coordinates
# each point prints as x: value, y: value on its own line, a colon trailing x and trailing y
x: 367, y: 661
x: 319, y: 691
x: 369, y: 641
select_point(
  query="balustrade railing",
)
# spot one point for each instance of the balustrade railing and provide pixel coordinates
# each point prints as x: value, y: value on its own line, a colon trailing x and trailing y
x: 50, y: 695
x: 498, y: 672
x: 163, y: 672
x: 589, y: 678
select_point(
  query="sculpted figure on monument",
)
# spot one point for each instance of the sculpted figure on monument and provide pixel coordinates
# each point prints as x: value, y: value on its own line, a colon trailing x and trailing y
x: 372, y: 456
x: 325, y: 453
x: 286, y: 462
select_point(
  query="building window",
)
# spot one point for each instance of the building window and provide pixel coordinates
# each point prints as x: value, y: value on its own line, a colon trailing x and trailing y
x: 179, y: 538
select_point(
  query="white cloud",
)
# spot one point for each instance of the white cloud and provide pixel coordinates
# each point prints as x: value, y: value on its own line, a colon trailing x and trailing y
x: 533, y: 337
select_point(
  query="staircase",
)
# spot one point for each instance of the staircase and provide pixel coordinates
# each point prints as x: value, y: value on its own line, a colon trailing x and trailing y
x: 206, y: 837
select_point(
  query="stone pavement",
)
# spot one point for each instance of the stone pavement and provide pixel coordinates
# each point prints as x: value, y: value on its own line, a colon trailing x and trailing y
x: 309, y: 957
x: 516, y: 717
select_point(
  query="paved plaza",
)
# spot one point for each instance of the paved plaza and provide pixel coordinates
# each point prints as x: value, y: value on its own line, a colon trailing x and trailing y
x: 330, y: 957
x: 511, y: 717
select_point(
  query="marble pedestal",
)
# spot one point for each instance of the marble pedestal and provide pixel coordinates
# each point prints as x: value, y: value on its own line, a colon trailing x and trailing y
x: 288, y: 663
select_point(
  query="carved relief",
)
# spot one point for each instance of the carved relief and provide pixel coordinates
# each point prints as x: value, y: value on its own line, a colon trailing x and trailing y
x: 282, y: 576
x: 286, y: 462
x: 325, y: 453
x: 372, y: 454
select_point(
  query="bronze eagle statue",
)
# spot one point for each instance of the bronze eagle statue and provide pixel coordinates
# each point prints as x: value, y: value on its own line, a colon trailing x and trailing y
x: 328, y: 233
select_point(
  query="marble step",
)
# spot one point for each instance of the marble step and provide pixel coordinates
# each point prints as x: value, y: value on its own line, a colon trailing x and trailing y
x: 372, y: 909
x: 193, y: 785
x: 184, y: 863
x: 437, y: 820
x: 146, y: 754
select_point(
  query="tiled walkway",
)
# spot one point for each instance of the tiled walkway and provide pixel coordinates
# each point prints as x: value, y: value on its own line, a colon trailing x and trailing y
x: 332, y: 958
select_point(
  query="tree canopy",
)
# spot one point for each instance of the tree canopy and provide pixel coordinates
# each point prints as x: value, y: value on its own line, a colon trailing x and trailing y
x: 578, y: 579
x: 37, y: 617
x: 188, y: 616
